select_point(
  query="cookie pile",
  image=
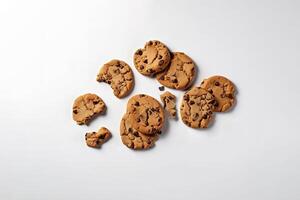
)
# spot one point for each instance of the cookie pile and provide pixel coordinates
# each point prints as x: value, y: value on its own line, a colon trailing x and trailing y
x: 142, y: 124
x: 174, y: 70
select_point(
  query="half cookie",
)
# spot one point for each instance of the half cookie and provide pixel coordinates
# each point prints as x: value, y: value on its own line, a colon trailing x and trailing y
x: 86, y: 107
x: 119, y: 75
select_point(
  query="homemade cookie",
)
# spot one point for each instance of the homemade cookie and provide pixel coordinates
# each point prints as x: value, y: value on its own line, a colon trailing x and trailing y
x: 145, y: 114
x: 223, y: 90
x: 153, y: 58
x: 86, y: 107
x: 134, y: 139
x: 180, y: 74
x: 119, y: 75
x: 197, y: 108
x: 169, y: 102
x: 96, y: 139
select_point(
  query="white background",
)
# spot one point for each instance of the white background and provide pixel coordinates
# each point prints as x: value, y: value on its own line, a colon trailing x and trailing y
x: 51, y: 51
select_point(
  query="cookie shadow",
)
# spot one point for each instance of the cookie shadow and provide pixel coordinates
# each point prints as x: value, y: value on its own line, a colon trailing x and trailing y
x: 166, y: 128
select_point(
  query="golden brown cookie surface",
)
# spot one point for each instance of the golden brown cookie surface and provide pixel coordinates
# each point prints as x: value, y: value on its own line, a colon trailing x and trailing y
x: 180, y: 74
x: 197, y: 108
x: 86, y: 107
x: 169, y: 103
x: 96, y: 139
x: 145, y: 114
x: 134, y: 139
x: 118, y: 75
x: 153, y: 58
x: 223, y: 90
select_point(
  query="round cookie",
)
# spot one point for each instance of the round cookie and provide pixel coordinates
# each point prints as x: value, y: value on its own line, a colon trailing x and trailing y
x: 119, y: 75
x: 223, y: 90
x: 86, y: 107
x: 197, y: 107
x: 134, y: 139
x: 180, y: 74
x: 153, y: 58
x: 145, y: 114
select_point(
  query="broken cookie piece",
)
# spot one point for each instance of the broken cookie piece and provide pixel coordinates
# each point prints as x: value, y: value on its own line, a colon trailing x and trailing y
x: 118, y: 75
x: 169, y: 102
x: 96, y: 139
x: 86, y: 107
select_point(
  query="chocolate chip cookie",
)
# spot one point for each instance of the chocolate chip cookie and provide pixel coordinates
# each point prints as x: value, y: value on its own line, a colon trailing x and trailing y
x: 223, y: 90
x: 180, y: 74
x: 169, y: 103
x: 96, y: 139
x: 145, y: 114
x: 197, y: 108
x: 153, y: 58
x: 134, y: 139
x: 119, y: 75
x: 86, y: 107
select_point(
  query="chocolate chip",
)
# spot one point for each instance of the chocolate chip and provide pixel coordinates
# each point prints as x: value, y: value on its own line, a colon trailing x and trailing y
x: 192, y: 102
x: 109, y: 82
x: 142, y: 95
x: 170, y: 97
x: 146, y: 61
x: 150, y: 42
x: 75, y: 111
x: 217, y: 83
x: 161, y: 62
x: 142, y: 67
x: 161, y: 88
x: 150, y: 70
x: 129, y: 129
x: 174, y: 81
x: 139, y: 52
x: 159, y: 57
x: 162, y: 78
x: 230, y: 96
x: 146, y: 123
x: 137, y: 103
x: 102, y: 137
x: 210, y: 90
x: 136, y: 134
x: 186, y: 97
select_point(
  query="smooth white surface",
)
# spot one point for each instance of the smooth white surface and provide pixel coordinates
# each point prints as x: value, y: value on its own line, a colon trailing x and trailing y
x: 51, y: 52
